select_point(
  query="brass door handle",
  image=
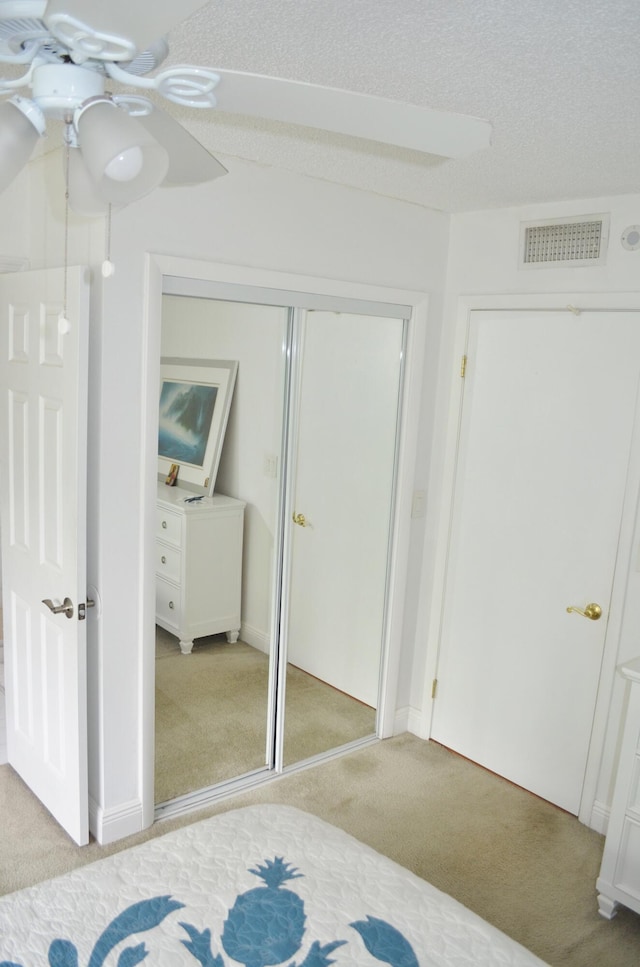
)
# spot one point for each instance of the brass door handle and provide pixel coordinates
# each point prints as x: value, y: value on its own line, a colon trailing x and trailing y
x: 592, y: 611
x: 300, y: 520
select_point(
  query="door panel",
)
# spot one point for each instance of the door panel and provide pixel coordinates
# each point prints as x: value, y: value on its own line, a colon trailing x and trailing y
x: 344, y: 473
x: 43, y: 380
x: 548, y: 416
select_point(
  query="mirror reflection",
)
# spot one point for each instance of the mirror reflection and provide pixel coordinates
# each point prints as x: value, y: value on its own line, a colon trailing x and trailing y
x: 333, y: 416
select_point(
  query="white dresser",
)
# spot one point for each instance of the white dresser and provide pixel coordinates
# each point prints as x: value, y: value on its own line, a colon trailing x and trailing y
x: 619, y: 880
x: 198, y: 565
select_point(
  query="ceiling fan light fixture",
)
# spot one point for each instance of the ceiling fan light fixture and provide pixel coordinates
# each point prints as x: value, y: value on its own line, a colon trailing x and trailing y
x: 21, y: 124
x: 123, y: 159
x: 125, y: 166
x: 84, y: 198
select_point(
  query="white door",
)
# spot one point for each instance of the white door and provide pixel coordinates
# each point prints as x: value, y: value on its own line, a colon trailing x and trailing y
x: 548, y: 417
x: 346, y: 437
x: 43, y: 393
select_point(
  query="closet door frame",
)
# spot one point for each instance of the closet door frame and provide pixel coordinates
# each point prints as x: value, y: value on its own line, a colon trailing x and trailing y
x: 174, y: 275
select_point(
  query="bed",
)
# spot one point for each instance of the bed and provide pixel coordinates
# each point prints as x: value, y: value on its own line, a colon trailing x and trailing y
x: 259, y: 886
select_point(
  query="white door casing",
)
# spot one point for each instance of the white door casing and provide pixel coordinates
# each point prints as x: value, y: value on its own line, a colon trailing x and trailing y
x: 547, y: 423
x: 177, y: 276
x: 43, y: 409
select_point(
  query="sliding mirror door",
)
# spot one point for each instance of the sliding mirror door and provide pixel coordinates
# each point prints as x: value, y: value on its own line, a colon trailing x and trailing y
x: 212, y: 706
x: 342, y: 483
x: 310, y: 454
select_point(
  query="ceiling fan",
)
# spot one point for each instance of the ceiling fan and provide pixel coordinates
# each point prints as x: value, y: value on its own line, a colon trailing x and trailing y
x: 122, y: 146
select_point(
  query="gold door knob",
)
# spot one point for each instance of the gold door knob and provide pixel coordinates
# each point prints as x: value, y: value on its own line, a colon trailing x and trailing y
x: 300, y: 520
x: 593, y: 611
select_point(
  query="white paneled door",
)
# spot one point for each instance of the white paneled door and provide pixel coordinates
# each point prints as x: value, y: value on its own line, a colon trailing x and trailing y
x: 43, y: 383
x: 548, y: 419
x: 350, y: 374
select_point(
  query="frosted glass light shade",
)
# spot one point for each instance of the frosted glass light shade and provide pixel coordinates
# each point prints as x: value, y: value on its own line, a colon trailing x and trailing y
x: 18, y: 138
x: 84, y: 198
x: 110, y: 141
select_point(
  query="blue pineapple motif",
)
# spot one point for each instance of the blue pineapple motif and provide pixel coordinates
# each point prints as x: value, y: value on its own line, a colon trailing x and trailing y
x: 266, y: 924
x: 385, y: 942
x: 137, y: 918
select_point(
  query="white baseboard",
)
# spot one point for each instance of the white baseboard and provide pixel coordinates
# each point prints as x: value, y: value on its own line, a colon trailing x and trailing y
x: 599, y: 818
x: 408, y: 719
x: 255, y: 637
x: 401, y: 720
x: 109, y: 825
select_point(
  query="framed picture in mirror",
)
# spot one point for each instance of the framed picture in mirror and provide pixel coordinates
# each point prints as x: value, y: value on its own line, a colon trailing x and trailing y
x: 193, y: 411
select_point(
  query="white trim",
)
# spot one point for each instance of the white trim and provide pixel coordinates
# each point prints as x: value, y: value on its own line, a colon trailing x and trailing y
x: 407, y: 719
x: 599, y: 819
x: 160, y: 265
x: 401, y: 525
x: 569, y: 301
x: 109, y: 825
x: 255, y: 637
x: 622, y: 567
x: 10, y: 263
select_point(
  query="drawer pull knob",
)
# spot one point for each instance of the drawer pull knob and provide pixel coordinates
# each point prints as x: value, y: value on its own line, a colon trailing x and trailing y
x: 171, y: 605
x: 163, y: 559
x: 164, y: 524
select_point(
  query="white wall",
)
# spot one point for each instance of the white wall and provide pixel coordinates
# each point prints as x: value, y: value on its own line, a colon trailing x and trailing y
x: 483, y: 260
x: 285, y: 223
x: 274, y: 221
x: 254, y: 217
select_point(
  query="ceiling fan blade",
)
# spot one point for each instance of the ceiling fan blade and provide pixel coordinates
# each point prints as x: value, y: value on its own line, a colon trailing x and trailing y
x: 95, y: 26
x: 189, y: 162
x: 358, y: 115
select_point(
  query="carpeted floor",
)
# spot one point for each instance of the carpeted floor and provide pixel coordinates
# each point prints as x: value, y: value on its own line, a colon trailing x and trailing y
x: 211, y: 714
x: 520, y: 863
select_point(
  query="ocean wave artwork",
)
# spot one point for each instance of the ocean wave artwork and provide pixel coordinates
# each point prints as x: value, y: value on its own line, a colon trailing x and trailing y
x: 186, y: 412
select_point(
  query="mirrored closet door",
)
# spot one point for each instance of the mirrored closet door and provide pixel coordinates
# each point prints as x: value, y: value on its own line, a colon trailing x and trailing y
x: 310, y: 451
x: 212, y: 705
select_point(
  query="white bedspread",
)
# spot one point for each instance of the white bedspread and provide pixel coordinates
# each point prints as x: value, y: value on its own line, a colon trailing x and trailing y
x: 221, y: 892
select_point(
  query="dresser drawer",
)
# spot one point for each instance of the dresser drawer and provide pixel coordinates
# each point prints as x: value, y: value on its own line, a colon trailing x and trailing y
x: 168, y: 603
x: 168, y: 561
x: 168, y: 526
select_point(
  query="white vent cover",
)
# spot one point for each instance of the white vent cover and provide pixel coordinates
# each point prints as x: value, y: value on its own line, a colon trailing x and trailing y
x: 577, y: 241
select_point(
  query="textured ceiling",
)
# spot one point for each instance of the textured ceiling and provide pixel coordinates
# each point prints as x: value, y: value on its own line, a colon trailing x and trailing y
x: 559, y: 81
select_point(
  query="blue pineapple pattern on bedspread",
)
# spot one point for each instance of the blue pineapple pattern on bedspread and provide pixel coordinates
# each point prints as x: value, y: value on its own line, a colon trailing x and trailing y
x: 264, y: 928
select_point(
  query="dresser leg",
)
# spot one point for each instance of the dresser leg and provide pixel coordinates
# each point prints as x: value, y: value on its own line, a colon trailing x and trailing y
x: 607, y: 907
x: 186, y: 646
x: 232, y: 636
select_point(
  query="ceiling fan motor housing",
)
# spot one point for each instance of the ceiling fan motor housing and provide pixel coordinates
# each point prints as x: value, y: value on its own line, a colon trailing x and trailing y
x: 59, y: 89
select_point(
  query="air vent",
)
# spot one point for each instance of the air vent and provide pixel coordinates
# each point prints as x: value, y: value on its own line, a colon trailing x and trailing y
x: 577, y: 241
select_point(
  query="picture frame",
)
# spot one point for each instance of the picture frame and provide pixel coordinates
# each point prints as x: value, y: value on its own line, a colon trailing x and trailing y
x: 193, y: 411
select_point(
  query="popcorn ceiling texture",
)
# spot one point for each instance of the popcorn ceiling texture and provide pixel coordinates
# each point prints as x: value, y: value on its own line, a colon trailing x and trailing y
x: 560, y: 83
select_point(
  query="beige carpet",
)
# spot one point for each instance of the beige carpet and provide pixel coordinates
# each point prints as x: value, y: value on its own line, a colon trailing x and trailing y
x: 520, y: 863
x: 211, y: 714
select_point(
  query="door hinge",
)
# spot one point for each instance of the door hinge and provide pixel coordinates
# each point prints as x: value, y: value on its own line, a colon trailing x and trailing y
x: 434, y: 687
x: 463, y: 367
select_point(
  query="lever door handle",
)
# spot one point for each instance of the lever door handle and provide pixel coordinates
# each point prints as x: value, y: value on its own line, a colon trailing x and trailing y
x: 65, y: 608
x: 592, y: 611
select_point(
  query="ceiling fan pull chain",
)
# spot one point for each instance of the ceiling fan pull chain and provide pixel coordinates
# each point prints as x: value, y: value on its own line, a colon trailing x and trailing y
x: 108, y: 268
x: 63, y: 322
